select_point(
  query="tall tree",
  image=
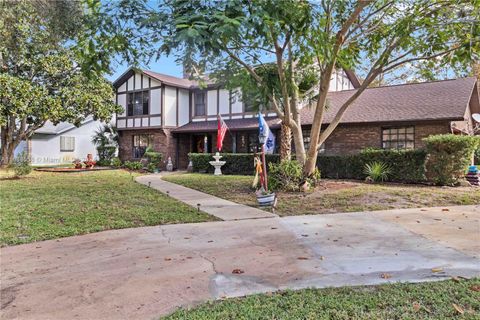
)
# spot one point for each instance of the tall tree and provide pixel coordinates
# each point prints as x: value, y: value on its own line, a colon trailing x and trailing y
x: 301, y: 36
x: 46, y: 71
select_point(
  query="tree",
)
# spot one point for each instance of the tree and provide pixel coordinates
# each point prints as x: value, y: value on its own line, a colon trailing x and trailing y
x: 45, y: 72
x: 306, y: 36
x: 106, y: 139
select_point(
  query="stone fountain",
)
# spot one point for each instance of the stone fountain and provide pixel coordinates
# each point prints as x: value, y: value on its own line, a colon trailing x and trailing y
x: 217, y: 164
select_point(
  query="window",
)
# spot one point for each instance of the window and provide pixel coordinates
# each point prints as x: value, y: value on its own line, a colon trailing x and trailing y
x: 140, y: 144
x: 67, y: 144
x: 200, y: 102
x: 306, y: 141
x: 398, y: 138
x: 246, y: 142
x: 137, y: 103
x: 306, y: 138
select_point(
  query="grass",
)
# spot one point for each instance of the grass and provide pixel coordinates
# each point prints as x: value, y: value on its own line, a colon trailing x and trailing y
x: 334, y: 195
x: 431, y: 300
x: 46, y: 205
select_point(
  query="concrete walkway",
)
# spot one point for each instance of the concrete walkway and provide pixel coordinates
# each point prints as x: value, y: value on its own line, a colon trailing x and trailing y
x: 220, y: 208
x: 143, y: 273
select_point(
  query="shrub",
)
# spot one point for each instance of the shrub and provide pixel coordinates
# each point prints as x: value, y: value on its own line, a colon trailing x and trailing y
x: 133, y: 165
x: 449, y: 157
x: 377, y: 171
x: 116, y: 162
x: 236, y: 163
x: 103, y: 163
x: 286, y: 175
x: 106, y: 153
x: 154, y: 158
x: 405, y: 165
x: 21, y: 165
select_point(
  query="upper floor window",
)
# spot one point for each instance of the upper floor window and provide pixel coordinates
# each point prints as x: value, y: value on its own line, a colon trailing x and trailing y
x: 200, y: 98
x: 67, y: 144
x: 138, y: 103
x: 398, y: 138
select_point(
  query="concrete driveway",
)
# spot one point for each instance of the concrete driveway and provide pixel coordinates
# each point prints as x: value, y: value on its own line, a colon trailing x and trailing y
x: 143, y: 273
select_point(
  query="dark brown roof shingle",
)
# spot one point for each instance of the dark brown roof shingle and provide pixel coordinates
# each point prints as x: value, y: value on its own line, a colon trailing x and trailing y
x: 437, y: 100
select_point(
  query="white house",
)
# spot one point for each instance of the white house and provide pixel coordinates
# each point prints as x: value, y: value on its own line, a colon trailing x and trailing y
x: 61, y: 143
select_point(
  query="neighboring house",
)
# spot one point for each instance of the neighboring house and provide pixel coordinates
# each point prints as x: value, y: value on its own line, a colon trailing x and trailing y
x: 61, y: 143
x: 176, y: 116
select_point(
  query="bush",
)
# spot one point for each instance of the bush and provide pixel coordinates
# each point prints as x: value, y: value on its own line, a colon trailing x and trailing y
x: 236, y: 163
x: 405, y: 165
x: 116, y: 162
x: 106, y: 153
x: 288, y: 176
x: 154, y: 158
x: 133, y: 165
x: 377, y: 171
x: 449, y: 157
x: 21, y: 165
x: 103, y: 163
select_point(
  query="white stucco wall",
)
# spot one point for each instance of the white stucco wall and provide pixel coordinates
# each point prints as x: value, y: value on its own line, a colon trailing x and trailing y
x: 183, y: 107
x: 170, y: 106
x: 45, y: 149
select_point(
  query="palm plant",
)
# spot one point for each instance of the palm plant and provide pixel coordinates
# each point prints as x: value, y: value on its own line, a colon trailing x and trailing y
x: 377, y: 171
x: 106, y: 139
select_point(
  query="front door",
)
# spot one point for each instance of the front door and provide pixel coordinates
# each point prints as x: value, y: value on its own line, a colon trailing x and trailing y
x: 202, y: 143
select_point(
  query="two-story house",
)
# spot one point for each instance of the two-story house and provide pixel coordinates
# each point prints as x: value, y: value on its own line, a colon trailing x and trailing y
x: 177, y: 116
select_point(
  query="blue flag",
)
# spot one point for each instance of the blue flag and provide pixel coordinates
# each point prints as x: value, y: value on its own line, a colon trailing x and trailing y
x: 263, y: 130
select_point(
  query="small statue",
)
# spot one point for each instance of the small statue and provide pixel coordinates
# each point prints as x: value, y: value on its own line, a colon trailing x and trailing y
x: 190, y: 166
x: 89, y: 163
x: 169, y: 164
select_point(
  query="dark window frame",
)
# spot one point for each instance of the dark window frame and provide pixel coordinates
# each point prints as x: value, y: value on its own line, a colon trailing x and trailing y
x: 196, y: 112
x: 139, y: 150
x: 397, y: 138
x: 144, y: 103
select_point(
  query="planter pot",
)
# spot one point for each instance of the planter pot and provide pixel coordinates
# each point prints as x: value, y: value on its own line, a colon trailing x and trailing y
x: 266, y: 199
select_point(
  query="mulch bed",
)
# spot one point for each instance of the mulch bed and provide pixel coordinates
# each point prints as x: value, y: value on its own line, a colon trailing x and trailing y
x: 69, y: 170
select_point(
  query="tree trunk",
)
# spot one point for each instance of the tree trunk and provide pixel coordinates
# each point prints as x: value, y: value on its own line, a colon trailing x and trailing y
x: 299, y: 146
x: 8, y: 146
x: 285, y: 143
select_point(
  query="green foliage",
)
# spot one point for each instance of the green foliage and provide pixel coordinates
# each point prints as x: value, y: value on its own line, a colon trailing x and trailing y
x: 116, y: 162
x: 449, y: 157
x: 133, y: 165
x: 236, y: 163
x: 477, y: 156
x: 288, y: 176
x: 106, y: 140
x: 41, y: 75
x: 377, y: 171
x: 405, y: 165
x: 21, y: 165
x: 154, y: 158
x: 103, y: 163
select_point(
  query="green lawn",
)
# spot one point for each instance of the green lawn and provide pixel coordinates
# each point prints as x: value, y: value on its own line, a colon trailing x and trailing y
x: 333, y: 195
x: 51, y: 205
x: 434, y: 300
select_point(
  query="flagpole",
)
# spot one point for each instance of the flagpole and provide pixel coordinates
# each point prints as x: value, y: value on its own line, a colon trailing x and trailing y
x: 264, y: 168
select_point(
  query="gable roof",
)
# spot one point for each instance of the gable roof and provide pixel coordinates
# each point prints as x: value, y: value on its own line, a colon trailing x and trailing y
x: 50, y: 128
x: 428, y: 101
x: 163, y: 78
x: 436, y: 100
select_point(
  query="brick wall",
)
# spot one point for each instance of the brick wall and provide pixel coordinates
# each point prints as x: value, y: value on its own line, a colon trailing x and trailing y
x: 163, y: 141
x: 350, y: 139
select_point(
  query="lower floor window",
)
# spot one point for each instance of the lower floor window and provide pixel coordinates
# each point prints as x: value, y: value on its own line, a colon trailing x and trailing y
x: 67, y: 144
x: 246, y: 142
x: 398, y: 138
x: 140, y: 144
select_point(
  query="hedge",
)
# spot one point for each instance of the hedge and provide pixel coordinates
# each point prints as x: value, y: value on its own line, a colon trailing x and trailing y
x: 406, y: 165
x: 449, y: 157
x: 236, y: 163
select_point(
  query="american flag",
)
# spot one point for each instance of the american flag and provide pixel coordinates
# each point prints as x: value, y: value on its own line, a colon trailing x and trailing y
x: 222, y: 130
